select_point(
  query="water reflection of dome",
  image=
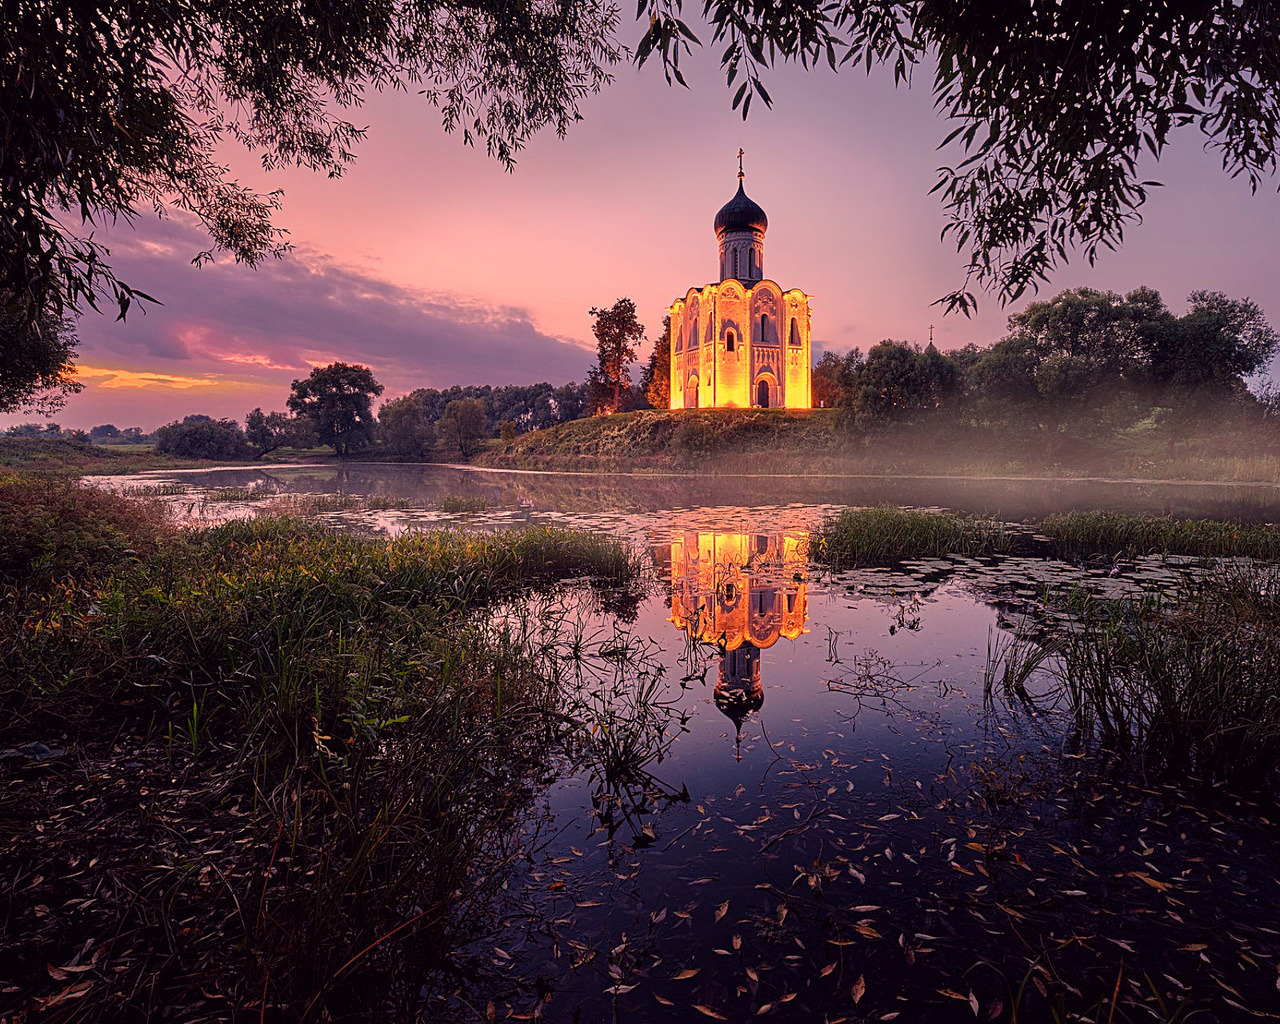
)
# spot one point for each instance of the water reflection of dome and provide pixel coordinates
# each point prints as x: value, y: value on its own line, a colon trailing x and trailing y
x: 741, y: 593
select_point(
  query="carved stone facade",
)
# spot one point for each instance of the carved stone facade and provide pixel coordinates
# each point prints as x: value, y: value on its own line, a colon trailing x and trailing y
x: 744, y: 342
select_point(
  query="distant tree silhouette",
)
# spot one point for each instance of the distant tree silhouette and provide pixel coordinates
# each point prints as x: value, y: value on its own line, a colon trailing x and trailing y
x: 337, y: 401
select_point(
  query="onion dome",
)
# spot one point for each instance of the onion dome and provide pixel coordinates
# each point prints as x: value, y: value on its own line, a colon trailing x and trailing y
x: 740, y: 214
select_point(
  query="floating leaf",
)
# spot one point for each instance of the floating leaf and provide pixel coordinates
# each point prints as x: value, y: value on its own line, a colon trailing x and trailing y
x: 826, y: 970
x: 722, y: 910
x: 737, y: 942
x: 688, y: 972
x: 709, y: 1012
x: 663, y: 1000
x: 859, y: 989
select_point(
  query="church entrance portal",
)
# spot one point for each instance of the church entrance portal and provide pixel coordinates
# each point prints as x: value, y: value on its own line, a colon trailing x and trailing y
x: 762, y: 394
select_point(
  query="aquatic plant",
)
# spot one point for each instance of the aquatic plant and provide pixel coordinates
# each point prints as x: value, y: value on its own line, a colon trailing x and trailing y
x: 887, y: 534
x: 454, y: 503
x: 1119, y: 532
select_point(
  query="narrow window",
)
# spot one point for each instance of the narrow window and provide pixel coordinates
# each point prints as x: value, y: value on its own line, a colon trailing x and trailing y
x: 791, y: 603
x: 761, y: 602
x: 795, y: 332
x: 693, y: 340
x: 729, y: 341
x: 764, y: 329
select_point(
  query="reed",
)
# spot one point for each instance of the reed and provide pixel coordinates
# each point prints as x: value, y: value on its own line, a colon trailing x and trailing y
x: 1123, y: 533
x: 1184, y: 686
x: 887, y: 534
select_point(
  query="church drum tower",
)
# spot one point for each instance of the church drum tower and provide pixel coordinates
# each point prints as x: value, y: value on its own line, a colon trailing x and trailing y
x: 742, y: 342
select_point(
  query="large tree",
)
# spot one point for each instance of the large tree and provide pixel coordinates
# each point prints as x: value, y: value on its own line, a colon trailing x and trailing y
x: 463, y: 424
x: 113, y: 107
x: 338, y: 401
x: 1053, y: 103
x: 36, y: 374
x: 617, y: 331
x: 404, y: 428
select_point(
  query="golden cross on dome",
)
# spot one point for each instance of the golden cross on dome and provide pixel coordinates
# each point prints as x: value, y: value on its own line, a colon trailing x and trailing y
x: 740, y: 174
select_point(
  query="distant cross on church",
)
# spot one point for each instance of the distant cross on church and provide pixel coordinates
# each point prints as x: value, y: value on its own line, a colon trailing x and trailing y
x: 931, y: 334
x: 740, y: 174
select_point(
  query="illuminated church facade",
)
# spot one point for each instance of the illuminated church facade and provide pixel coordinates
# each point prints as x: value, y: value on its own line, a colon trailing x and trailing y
x: 743, y: 342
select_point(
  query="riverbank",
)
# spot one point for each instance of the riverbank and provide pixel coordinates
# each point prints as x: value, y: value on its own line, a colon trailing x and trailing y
x: 821, y: 442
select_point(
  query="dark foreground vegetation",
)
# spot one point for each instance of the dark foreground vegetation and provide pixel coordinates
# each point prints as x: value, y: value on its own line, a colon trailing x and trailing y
x: 264, y: 769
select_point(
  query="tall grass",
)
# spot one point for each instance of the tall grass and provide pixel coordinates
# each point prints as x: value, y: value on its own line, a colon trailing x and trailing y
x: 349, y: 751
x: 1119, y: 532
x: 877, y: 536
x: 1188, y: 689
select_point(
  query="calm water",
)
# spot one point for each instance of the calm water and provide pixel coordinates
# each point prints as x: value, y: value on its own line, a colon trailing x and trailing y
x: 840, y: 826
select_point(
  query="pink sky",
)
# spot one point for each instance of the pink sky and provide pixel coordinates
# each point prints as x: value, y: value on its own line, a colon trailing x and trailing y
x: 433, y: 266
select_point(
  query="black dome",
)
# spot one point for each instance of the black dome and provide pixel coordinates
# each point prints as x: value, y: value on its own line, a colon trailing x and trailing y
x: 740, y: 214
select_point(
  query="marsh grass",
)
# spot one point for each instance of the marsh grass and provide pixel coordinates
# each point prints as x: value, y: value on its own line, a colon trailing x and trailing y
x: 455, y: 503
x: 310, y: 753
x: 888, y: 534
x: 1184, y: 686
x: 1123, y: 533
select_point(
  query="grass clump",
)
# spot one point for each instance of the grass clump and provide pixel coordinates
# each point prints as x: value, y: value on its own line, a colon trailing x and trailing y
x: 1119, y: 532
x: 454, y: 503
x: 887, y: 534
x: 301, y: 759
x: 1177, y: 689
x: 52, y: 526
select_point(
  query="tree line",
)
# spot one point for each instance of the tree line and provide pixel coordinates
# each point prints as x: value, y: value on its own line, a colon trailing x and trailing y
x: 1085, y: 362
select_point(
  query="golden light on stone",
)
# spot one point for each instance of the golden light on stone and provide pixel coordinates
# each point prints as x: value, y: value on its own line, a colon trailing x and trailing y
x: 743, y: 342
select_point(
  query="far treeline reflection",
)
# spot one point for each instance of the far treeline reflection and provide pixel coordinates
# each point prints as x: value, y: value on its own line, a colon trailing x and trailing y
x: 739, y: 592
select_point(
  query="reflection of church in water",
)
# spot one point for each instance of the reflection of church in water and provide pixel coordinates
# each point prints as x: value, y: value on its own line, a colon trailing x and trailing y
x: 741, y: 593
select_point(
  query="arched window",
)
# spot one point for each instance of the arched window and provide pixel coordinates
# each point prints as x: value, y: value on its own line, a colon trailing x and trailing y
x: 735, y: 261
x: 762, y: 394
x: 764, y: 329
x: 730, y: 341
x: 791, y: 603
x: 795, y: 332
x: 693, y: 337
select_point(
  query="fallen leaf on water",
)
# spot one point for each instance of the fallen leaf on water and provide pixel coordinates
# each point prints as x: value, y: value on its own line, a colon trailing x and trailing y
x: 826, y: 970
x: 722, y: 910
x: 859, y: 989
x: 952, y: 994
x: 751, y: 973
x: 973, y: 1003
x: 764, y: 1009
x: 1143, y: 877
x: 1195, y: 947
x: 617, y: 990
x: 737, y: 942
x: 491, y: 1013
x: 709, y: 1012
x: 787, y: 998
x: 663, y: 1000
x: 590, y: 903
x: 688, y: 972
